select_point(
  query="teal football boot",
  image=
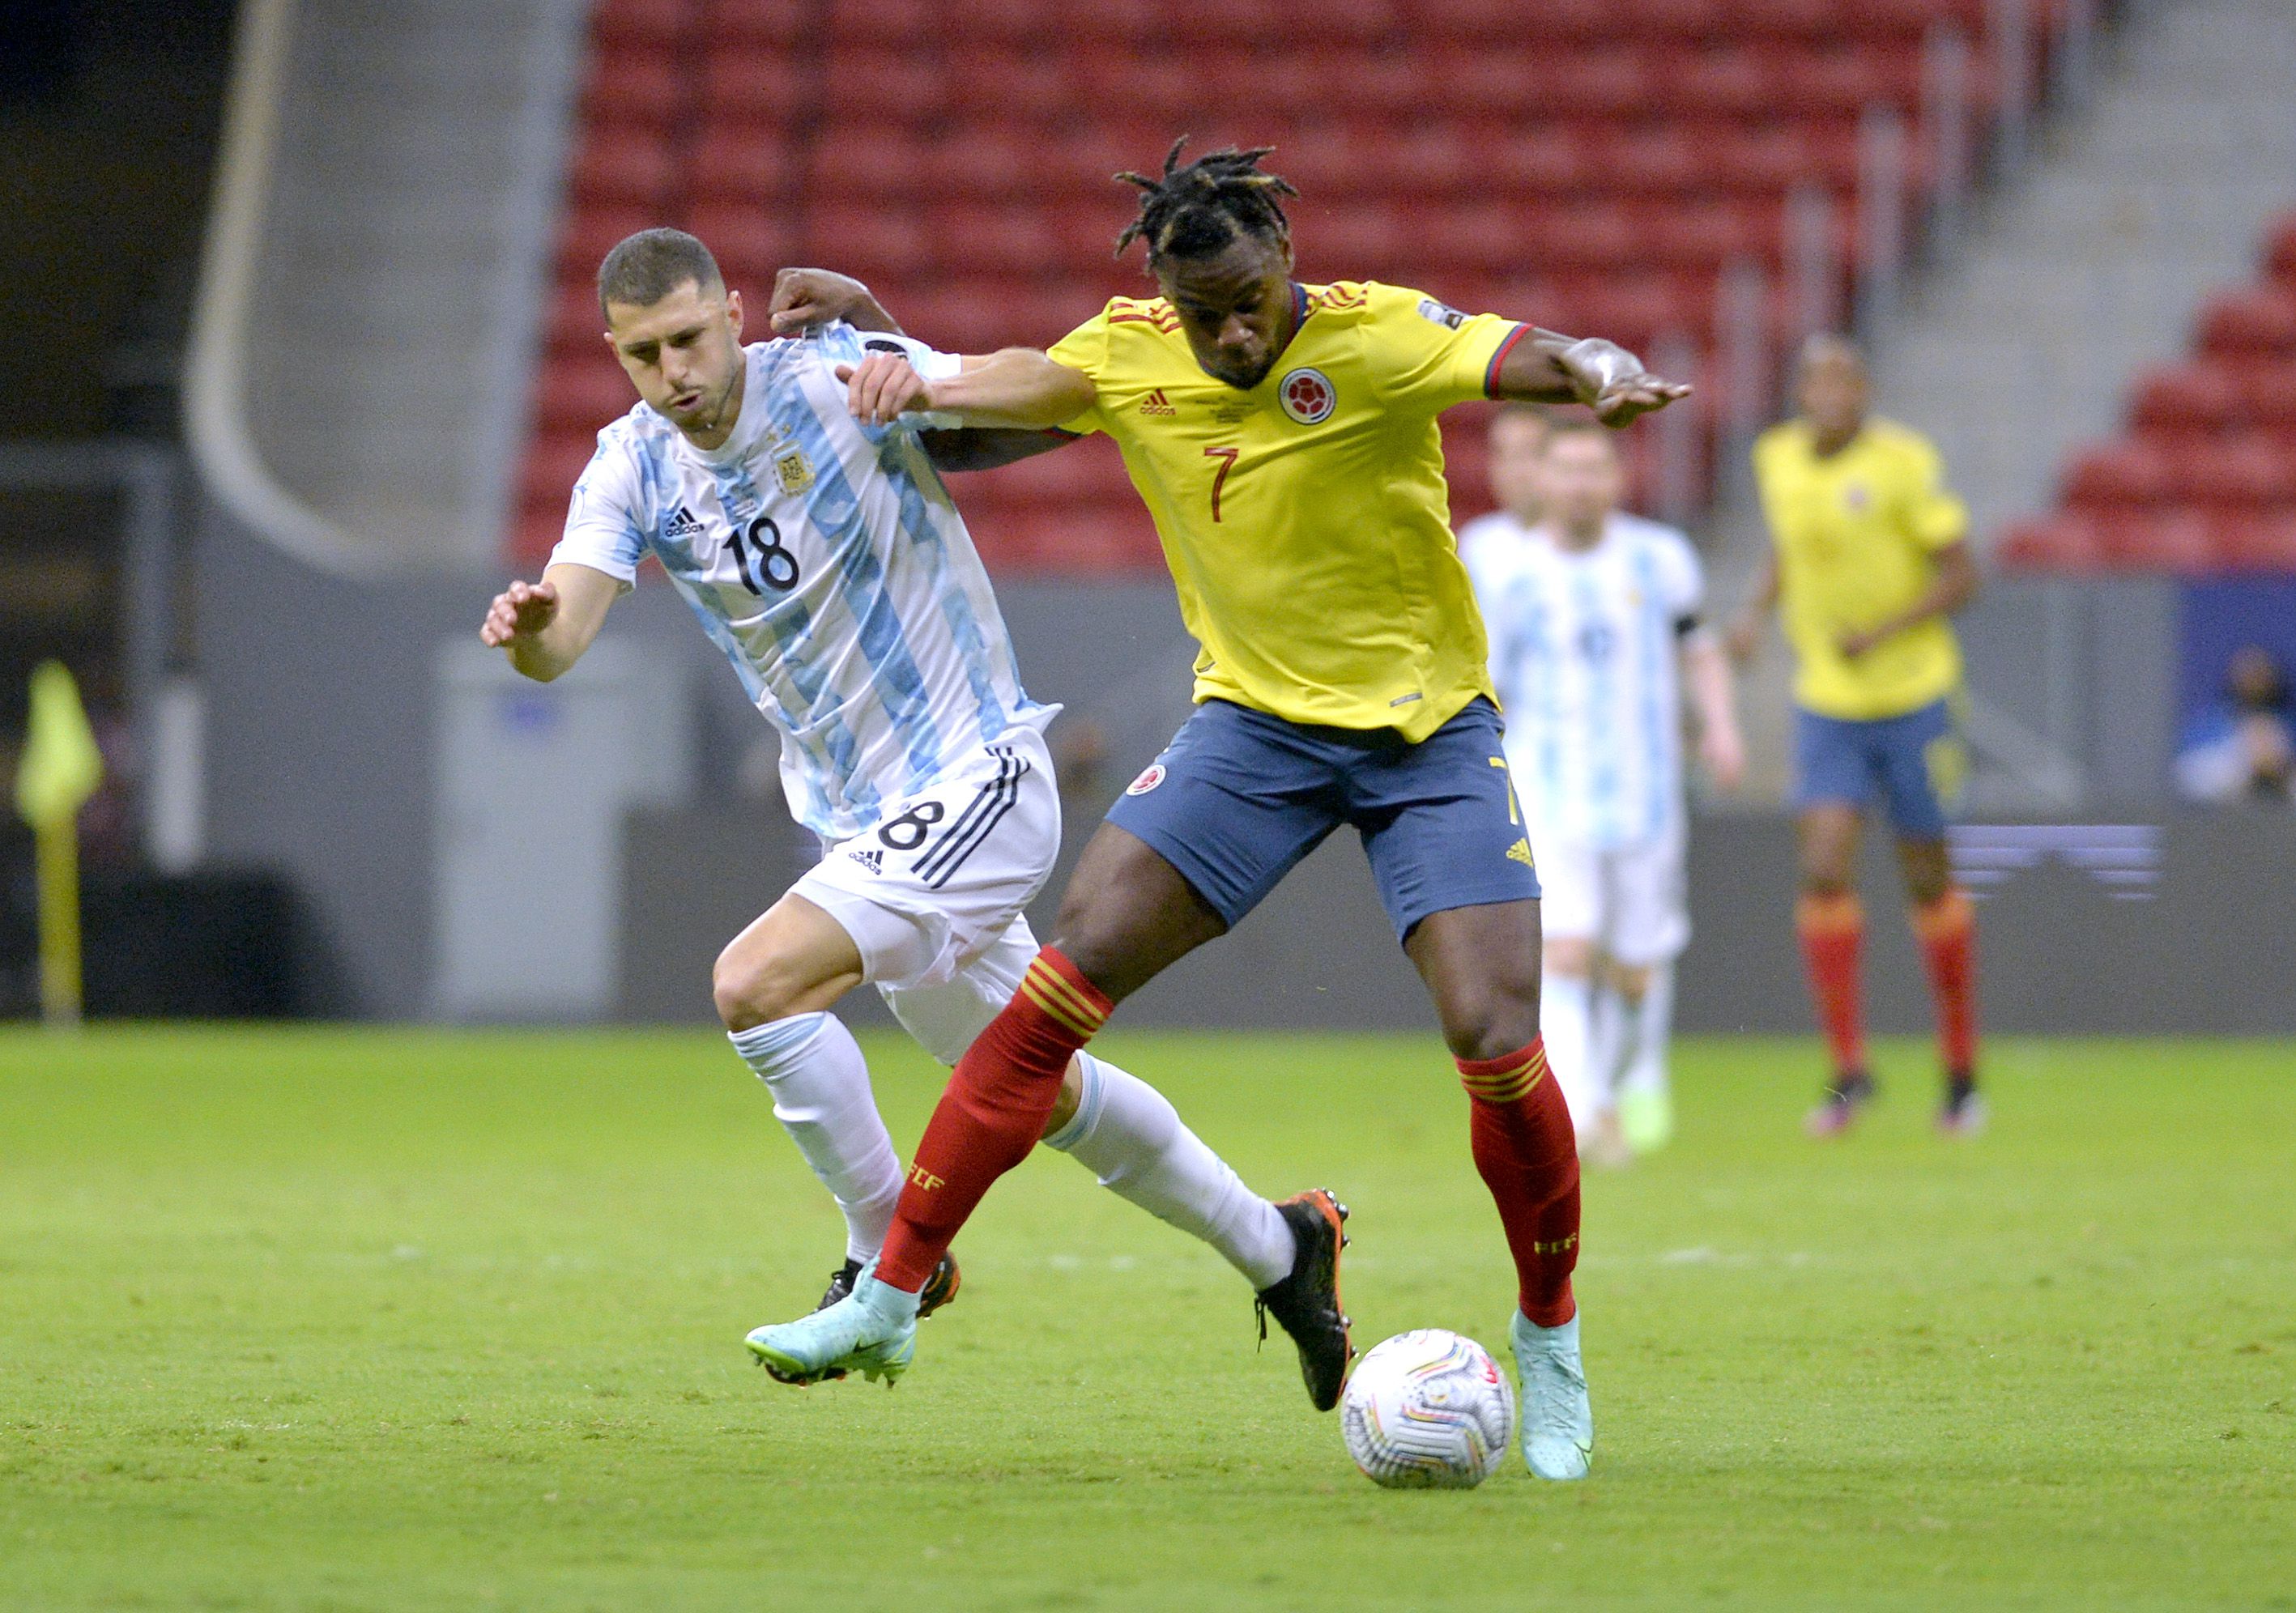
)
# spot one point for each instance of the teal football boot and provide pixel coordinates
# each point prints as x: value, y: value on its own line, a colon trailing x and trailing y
x: 1558, y: 1423
x: 873, y: 1331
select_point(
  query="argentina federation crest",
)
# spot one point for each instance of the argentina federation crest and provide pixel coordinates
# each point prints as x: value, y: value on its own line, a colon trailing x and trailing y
x: 794, y: 471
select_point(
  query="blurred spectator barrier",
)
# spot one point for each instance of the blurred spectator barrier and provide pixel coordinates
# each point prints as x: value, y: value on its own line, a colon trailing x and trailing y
x: 534, y: 780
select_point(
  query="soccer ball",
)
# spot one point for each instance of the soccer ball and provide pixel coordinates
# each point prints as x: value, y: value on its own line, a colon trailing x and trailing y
x: 1428, y: 1410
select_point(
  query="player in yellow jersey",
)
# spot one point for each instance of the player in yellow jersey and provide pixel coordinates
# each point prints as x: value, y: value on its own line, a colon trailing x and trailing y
x: 1869, y: 558
x: 1283, y: 436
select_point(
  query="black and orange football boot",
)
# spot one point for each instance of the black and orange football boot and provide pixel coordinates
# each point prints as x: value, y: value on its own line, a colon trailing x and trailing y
x: 1306, y: 1303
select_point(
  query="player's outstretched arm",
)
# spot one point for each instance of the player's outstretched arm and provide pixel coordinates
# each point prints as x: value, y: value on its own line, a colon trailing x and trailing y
x: 1550, y: 367
x: 1017, y: 387
x: 1953, y: 587
x: 546, y: 627
x: 987, y: 447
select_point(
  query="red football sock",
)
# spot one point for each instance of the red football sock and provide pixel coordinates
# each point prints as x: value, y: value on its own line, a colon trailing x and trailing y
x: 991, y: 1115
x: 1528, y: 1158
x: 1947, y: 929
x: 1832, y: 930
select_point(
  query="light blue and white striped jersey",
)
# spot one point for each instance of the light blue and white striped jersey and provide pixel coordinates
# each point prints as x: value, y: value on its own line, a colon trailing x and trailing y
x: 1584, y: 652
x: 826, y: 560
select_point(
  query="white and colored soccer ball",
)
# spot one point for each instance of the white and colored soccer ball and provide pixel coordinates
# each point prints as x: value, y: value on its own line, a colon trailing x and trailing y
x: 1428, y: 1410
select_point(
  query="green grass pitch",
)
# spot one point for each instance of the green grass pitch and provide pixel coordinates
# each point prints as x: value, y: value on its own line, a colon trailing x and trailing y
x: 355, y: 1319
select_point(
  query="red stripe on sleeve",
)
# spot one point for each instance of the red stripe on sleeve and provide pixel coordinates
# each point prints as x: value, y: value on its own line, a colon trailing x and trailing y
x: 1491, y: 375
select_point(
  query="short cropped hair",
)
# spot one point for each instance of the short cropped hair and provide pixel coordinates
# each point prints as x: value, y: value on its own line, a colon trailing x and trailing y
x: 1580, y: 425
x: 645, y: 267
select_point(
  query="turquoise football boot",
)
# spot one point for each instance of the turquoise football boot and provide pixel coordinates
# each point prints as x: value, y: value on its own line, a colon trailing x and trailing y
x: 873, y: 1331
x: 1558, y: 1424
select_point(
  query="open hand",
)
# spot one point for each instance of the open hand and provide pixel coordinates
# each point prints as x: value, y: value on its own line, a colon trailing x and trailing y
x: 805, y: 298
x: 518, y: 611
x: 1613, y: 382
x: 882, y: 387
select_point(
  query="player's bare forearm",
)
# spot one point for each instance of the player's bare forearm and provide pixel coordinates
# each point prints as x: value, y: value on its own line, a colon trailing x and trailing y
x: 546, y: 627
x: 1707, y: 678
x: 1546, y: 366
x: 1953, y: 587
x: 987, y: 447
x: 805, y: 298
x: 1016, y: 387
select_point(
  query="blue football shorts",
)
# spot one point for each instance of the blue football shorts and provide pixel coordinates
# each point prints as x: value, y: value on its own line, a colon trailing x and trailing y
x: 1239, y: 796
x: 1915, y: 763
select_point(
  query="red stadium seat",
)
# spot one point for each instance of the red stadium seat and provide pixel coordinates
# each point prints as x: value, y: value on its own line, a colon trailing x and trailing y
x: 2118, y: 476
x: 865, y: 160
x: 2185, y: 398
x: 1545, y: 160
x: 2235, y: 472
x: 2280, y: 251
x: 1664, y: 157
x: 634, y: 166
x: 636, y: 84
x: 748, y: 24
x: 582, y: 395
x: 997, y: 82
x: 2267, y: 395
x: 2179, y: 542
x: 900, y: 86
x: 751, y: 240
x: 643, y: 22
x: 744, y: 164
x: 2258, y: 321
x: 755, y: 86
x: 2254, y: 542
x: 2055, y: 543
x: 1733, y: 81
x: 590, y: 233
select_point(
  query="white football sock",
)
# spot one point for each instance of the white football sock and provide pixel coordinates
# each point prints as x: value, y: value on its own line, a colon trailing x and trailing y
x: 1609, y: 1033
x: 1649, y: 1024
x: 1129, y: 1136
x: 1566, y: 1021
x: 820, y: 1084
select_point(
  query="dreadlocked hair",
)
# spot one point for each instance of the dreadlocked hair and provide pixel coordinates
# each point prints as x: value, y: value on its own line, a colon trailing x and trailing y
x: 1196, y: 211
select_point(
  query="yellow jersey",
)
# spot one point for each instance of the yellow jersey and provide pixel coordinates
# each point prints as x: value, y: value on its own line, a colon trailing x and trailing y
x: 1857, y: 534
x: 1306, y: 522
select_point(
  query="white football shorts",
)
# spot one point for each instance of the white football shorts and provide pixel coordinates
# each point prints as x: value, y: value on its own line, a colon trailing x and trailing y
x: 933, y: 895
x: 1629, y: 900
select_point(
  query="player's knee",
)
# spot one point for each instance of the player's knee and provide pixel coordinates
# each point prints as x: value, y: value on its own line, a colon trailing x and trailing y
x: 750, y: 989
x: 1630, y: 980
x: 1491, y: 1025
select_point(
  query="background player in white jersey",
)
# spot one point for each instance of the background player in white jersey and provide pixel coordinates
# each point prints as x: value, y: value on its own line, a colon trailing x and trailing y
x: 1595, y: 635
x: 826, y: 560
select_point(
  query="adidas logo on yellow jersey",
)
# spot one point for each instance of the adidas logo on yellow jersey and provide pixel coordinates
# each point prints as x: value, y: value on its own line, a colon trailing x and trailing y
x: 1156, y: 403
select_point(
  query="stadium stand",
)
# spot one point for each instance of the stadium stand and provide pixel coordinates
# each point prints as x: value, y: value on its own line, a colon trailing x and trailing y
x: 2203, y: 477
x: 1587, y: 165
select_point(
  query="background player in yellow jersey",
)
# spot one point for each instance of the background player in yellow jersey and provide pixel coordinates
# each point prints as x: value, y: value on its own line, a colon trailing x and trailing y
x: 1285, y: 438
x: 1868, y: 559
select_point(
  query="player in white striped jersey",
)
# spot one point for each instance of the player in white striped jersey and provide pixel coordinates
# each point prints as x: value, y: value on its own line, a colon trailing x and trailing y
x: 1595, y: 633
x: 825, y: 559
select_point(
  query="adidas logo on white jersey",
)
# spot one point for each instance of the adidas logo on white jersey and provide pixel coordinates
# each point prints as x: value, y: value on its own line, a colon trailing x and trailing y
x: 872, y: 859
x: 682, y: 524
